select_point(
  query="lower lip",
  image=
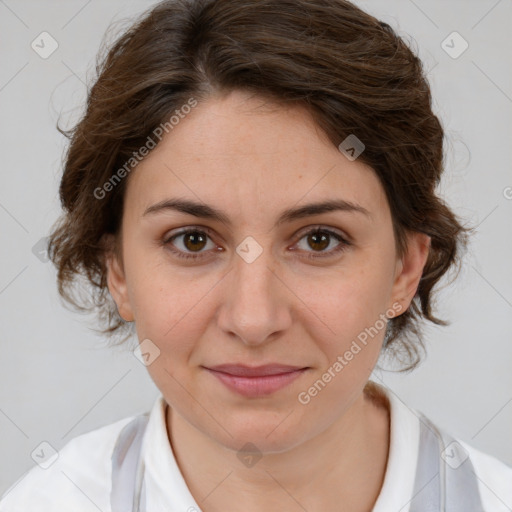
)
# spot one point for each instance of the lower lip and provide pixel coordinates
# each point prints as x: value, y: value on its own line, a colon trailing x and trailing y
x: 257, y: 386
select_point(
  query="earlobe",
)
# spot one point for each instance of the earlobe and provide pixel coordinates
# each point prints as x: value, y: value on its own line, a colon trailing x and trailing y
x: 117, y: 287
x: 410, y: 269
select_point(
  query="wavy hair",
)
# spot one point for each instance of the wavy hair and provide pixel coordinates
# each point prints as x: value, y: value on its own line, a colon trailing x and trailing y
x: 352, y: 72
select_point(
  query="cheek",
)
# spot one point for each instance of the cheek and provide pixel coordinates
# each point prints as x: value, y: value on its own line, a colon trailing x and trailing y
x: 349, y: 304
x: 172, y: 309
x: 350, y: 335
x: 158, y: 293
x: 167, y: 310
x: 171, y: 318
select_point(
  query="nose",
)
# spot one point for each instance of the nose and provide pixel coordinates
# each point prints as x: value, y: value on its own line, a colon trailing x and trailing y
x: 255, y: 300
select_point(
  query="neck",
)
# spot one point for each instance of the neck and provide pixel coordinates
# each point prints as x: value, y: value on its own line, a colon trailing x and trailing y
x: 345, y: 465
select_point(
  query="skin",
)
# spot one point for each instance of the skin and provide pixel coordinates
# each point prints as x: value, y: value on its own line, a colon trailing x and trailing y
x: 253, y: 160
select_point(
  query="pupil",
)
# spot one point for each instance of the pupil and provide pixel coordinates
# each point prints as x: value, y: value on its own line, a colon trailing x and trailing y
x: 194, y: 237
x: 319, y: 239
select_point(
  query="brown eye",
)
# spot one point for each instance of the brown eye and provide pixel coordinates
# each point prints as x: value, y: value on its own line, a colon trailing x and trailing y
x: 188, y: 242
x: 319, y: 240
x: 194, y: 240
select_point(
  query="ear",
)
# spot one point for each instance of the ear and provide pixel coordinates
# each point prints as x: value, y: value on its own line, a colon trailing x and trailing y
x: 116, y: 280
x: 409, y: 269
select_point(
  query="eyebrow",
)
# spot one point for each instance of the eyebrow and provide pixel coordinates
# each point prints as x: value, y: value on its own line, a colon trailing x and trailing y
x: 205, y: 211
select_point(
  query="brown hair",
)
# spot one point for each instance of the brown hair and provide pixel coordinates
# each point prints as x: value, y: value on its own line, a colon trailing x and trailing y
x: 352, y: 72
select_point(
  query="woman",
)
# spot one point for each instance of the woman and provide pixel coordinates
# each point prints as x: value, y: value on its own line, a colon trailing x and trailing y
x: 251, y: 192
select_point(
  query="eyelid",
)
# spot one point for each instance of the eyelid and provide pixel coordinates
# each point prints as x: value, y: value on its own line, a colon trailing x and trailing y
x: 344, y: 243
x: 323, y: 227
x: 187, y: 229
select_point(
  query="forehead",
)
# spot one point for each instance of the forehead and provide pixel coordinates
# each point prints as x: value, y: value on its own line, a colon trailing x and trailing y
x: 242, y: 152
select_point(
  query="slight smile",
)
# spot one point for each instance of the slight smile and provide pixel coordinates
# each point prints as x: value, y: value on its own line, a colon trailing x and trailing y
x: 256, y: 381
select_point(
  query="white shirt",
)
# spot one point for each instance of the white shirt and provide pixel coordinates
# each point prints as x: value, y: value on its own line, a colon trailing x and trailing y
x: 79, y: 480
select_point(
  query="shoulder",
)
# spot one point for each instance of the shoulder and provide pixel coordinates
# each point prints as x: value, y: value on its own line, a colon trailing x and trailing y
x: 465, y: 465
x: 417, y: 444
x: 494, y: 479
x: 77, y: 478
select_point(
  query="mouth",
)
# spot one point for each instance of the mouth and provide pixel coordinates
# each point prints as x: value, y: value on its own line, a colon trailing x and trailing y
x: 256, y: 381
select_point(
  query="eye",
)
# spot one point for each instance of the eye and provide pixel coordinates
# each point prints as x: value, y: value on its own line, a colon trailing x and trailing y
x: 193, y: 241
x: 319, y: 238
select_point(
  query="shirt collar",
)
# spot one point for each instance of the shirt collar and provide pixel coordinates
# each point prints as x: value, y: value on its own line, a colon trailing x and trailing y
x: 398, y: 486
x: 166, y: 488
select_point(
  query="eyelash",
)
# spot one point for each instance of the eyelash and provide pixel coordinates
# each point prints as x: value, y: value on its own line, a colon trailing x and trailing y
x: 344, y: 244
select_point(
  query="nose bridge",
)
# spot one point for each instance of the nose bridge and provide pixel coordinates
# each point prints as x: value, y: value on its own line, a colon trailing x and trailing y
x: 253, y: 307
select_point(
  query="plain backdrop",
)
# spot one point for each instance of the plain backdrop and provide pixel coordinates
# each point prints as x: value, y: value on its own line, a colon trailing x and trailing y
x: 57, y: 377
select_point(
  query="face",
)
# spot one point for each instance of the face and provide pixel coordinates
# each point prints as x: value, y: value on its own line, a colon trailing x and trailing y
x: 269, y: 281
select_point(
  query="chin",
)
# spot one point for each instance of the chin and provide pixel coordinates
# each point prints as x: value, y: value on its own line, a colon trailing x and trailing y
x: 264, y: 431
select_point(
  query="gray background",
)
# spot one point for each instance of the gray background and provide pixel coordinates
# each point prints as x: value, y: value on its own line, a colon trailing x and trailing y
x: 59, y: 380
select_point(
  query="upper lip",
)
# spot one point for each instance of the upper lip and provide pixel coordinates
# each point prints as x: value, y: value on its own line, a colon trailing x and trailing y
x: 242, y: 370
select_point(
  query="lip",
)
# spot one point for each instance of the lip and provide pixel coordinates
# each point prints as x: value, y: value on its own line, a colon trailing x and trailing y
x: 242, y: 370
x: 256, y: 381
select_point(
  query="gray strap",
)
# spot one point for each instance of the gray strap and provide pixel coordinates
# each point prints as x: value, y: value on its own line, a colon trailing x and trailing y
x: 128, y: 468
x: 445, y: 478
x: 427, y: 488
